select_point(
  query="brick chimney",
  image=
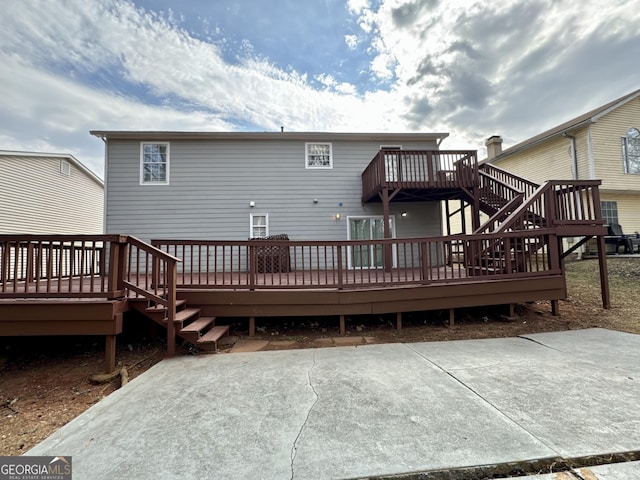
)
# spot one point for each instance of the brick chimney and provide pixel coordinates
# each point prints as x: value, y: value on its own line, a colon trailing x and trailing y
x: 494, y: 146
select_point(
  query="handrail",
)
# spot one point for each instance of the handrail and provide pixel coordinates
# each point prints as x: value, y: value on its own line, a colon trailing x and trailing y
x: 519, y: 183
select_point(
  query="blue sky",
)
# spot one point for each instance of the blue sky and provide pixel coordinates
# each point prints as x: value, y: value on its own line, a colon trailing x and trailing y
x: 470, y: 68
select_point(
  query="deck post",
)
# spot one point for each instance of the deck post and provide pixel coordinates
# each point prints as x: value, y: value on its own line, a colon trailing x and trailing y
x: 604, y: 275
x: 252, y: 326
x: 555, y: 308
x: 109, y: 353
x: 171, y: 307
x: 452, y: 317
x: 343, y: 329
x: 399, y: 320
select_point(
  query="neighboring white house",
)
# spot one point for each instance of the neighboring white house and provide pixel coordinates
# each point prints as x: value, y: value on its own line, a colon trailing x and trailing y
x: 49, y: 193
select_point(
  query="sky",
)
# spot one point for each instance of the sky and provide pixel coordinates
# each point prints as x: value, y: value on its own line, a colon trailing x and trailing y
x: 470, y: 68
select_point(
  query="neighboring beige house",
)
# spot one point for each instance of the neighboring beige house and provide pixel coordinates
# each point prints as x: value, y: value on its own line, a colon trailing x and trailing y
x: 49, y: 193
x: 601, y: 144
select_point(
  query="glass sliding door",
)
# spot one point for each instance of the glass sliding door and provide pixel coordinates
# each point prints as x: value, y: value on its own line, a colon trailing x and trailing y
x: 368, y: 228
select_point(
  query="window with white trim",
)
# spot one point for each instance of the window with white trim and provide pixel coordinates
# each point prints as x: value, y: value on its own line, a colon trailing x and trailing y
x: 318, y: 155
x: 609, y: 212
x: 65, y: 168
x: 631, y: 151
x: 154, y: 163
x: 258, y: 225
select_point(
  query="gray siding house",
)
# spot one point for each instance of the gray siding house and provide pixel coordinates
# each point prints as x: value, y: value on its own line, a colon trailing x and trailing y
x: 49, y: 193
x: 239, y: 185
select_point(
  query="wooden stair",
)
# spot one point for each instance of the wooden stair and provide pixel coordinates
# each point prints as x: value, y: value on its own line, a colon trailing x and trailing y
x: 190, y: 326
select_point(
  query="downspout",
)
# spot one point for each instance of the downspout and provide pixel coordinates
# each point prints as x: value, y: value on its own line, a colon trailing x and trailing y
x: 574, y: 171
x: 574, y: 155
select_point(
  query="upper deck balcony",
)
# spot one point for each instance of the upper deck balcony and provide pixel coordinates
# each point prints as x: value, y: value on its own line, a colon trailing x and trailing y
x: 420, y: 174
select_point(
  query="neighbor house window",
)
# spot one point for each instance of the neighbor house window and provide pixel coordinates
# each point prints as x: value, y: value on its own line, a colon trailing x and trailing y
x: 154, y: 163
x: 259, y: 225
x: 318, y: 155
x: 631, y: 151
x: 609, y: 212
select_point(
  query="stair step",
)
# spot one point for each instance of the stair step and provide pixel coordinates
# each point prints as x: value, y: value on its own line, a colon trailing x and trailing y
x: 186, y: 314
x: 162, y: 308
x: 198, y: 325
x: 209, y: 341
x: 192, y: 332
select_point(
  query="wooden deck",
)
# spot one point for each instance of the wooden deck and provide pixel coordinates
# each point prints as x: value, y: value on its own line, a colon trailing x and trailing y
x: 83, y: 285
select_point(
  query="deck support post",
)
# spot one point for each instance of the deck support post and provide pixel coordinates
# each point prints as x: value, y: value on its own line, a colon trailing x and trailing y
x: 252, y: 326
x: 604, y: 275
x: 555, y: 308
x: 399, y: 320
x: 109, y: 353
x: 512, y: 310
x: 452, y: 317
x: 343, y: 328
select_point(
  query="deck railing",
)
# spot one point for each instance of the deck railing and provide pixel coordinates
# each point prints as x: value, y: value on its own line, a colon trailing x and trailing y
x: 73, y: 266
x: 558, y: 203
x: 58, y: 265
x: 419, y: 169
x: 277, y: 264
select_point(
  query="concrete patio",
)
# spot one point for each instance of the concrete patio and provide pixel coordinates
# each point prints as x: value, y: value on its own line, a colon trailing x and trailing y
x: 368, y: 411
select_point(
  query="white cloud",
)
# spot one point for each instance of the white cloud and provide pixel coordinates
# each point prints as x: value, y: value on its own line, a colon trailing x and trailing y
x: 473, y: 69
x: 351, y: 41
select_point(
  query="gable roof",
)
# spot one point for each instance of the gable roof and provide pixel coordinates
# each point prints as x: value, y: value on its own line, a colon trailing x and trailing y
x: 584, y: 119
x: 63, y: 156
x: 317, y: 136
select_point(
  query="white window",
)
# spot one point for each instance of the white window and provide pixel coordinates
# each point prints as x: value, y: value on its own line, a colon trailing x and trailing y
x: 318, y: 155
x: 609, y: 212
x: 154, y: 163
x: 368, y: 228
x: 65, y: 168
x: 631, y: 151
x: 258, y: 225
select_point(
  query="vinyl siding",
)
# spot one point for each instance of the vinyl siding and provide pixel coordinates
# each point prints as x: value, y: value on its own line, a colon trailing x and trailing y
x: 38, y: 199
x: 606, y: 135
x: 550, y: 160
x: 212, y: 183
x: 628, y: 210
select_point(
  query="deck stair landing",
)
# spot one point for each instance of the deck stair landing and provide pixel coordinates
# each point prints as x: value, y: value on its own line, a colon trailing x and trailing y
x: 200, y: 331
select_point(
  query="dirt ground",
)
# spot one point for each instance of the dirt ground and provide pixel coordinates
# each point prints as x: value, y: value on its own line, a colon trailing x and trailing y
x: 44, y: 384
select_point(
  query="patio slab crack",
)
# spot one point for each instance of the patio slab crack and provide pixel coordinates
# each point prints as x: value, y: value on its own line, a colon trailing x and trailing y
x: 294, y: 448
x: 484, y: 399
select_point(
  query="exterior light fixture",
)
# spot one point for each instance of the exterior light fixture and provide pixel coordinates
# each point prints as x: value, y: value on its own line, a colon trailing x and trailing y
x: 252, y: 204
x: 403, y: 214
x: 338, y: 216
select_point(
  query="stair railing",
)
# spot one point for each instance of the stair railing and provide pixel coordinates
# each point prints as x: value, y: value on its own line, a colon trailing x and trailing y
x: 517, y: 183
x: 150, y: 273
